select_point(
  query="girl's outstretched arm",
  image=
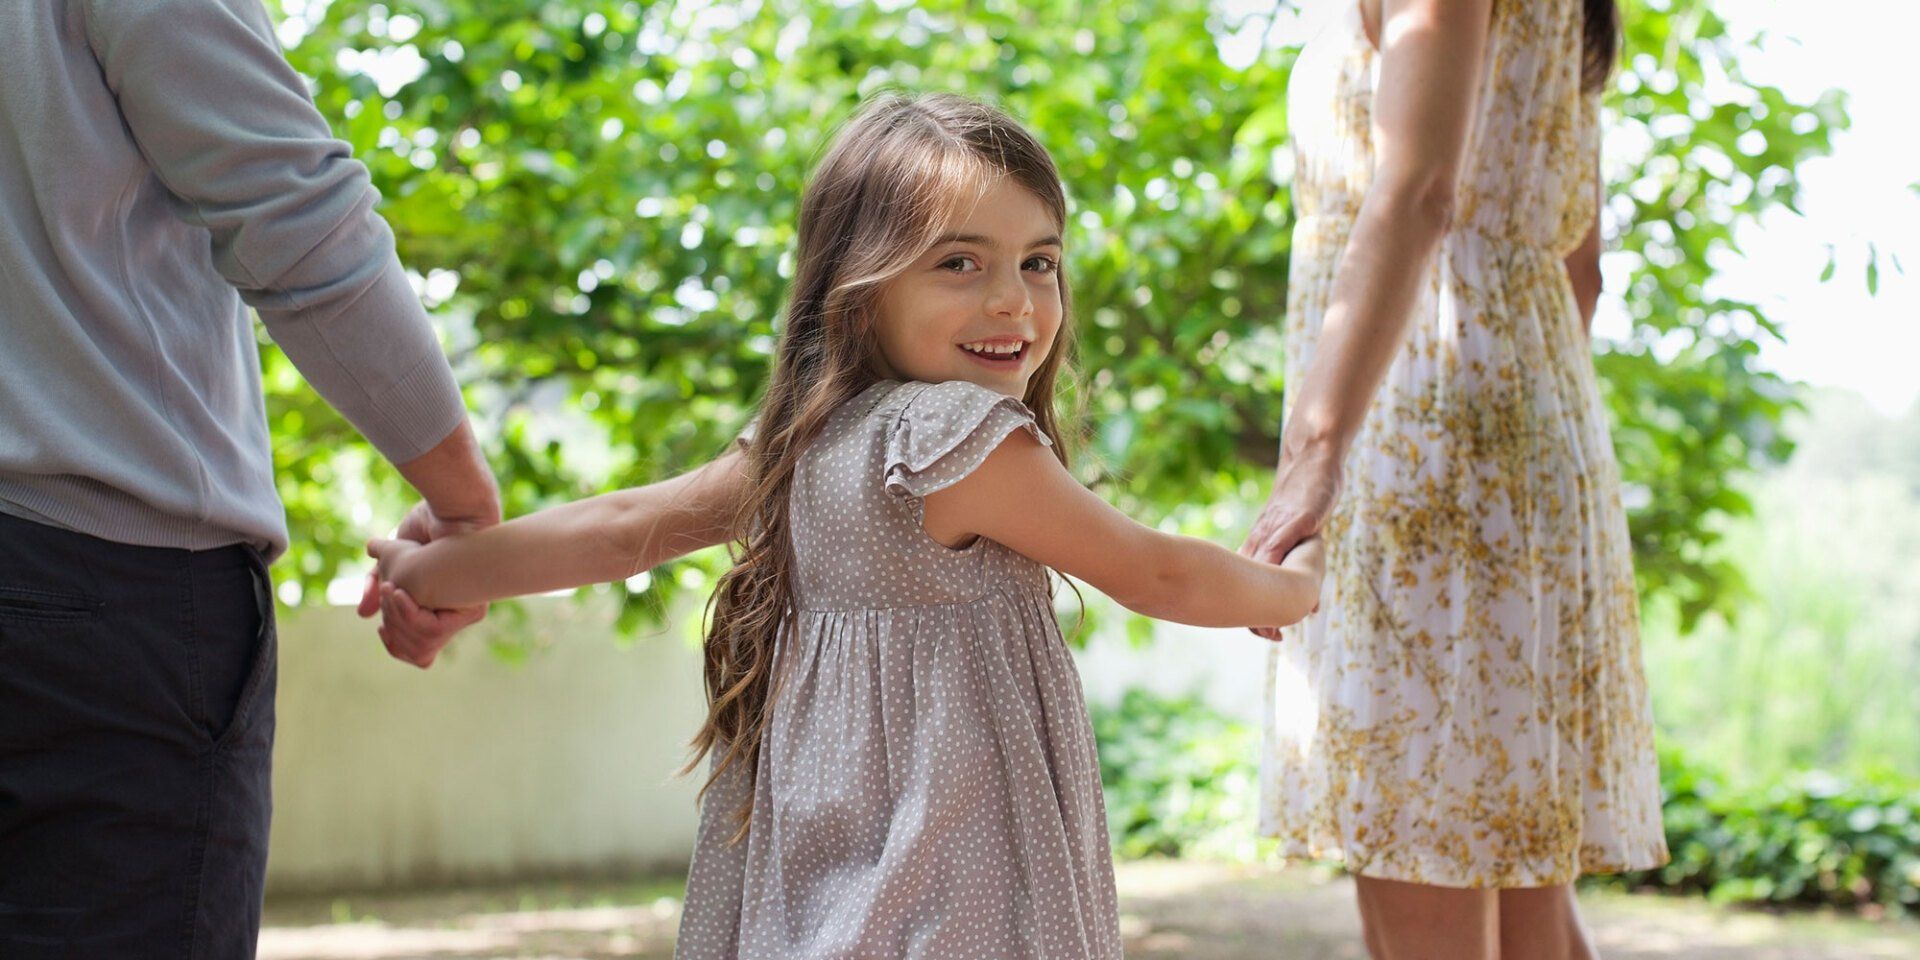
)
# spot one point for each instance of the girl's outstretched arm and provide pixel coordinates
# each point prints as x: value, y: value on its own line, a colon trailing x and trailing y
x: 600, y: 539
x: 1025, y: 500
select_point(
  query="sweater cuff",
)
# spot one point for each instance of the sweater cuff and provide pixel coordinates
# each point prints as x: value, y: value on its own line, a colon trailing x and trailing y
x: 423, y: 408
x: 379, y: 362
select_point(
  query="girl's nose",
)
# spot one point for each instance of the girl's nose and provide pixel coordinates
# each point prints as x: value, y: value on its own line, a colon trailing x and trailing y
x: 1008, y: 296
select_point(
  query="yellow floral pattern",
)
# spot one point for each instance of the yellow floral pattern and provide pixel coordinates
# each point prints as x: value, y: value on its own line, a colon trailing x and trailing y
x: 1468, y: 708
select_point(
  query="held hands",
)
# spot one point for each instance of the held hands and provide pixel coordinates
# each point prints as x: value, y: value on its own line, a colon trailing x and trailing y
x: 1310, y: 560
x: 410, y: 632
x: 1308, y: 563
x: 1288, y: 528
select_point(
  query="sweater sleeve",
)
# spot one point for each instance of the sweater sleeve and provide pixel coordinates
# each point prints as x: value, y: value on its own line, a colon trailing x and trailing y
x: 228, y: 127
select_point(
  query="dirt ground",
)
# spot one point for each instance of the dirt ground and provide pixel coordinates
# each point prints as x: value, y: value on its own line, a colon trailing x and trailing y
x: 1169, y: 909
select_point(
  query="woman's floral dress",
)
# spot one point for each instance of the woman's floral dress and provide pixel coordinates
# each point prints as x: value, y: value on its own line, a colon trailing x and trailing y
x: 1468, y: 707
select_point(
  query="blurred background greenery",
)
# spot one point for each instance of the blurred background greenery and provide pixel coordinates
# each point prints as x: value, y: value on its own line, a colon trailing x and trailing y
x: 598, y: 198
x: 1790, y: 733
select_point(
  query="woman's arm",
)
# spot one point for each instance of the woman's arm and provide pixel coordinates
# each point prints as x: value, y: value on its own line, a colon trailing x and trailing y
x: 1583, y: 267
x: 600, y: 539
x: 1422, y: 116
x: 1423, y: 111
x: 1024, y: 499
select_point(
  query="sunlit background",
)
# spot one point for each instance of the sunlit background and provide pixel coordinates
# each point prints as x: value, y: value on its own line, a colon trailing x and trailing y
x: 596, y: 198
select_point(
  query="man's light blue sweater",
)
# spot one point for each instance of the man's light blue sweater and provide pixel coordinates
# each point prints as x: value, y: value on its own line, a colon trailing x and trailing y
x: 162, y: 168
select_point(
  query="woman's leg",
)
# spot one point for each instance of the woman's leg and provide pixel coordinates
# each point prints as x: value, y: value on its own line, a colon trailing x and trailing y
x: 1417, y: 921
x: 1542, y: 923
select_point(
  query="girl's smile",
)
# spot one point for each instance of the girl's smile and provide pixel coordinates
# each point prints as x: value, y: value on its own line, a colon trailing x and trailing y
x: 997, y: 353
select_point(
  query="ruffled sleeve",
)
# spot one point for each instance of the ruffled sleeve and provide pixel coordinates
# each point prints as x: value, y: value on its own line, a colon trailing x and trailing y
x: 945, y: 431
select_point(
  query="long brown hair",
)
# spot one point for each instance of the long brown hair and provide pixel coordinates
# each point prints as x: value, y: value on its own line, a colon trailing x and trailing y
x: 1601, y: 43
x: 893, y: 179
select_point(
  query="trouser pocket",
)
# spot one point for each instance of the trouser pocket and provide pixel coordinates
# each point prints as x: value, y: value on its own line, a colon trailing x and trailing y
x: 26, y: 605
x: 233, y: 642
x: 254, y: 705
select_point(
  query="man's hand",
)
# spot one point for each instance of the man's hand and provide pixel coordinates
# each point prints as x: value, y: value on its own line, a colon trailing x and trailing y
x: 460, y: 496
x: 409, y: 631
x: 415, y: 634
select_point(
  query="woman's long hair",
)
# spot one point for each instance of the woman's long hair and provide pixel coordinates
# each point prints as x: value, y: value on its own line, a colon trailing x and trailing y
x: 894, y: 179
x: 1601, y: 43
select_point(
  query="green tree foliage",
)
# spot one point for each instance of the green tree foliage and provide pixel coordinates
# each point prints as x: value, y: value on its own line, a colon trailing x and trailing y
x: 601, y: 198
x: 1819, y: 671
x: 1699, y: 151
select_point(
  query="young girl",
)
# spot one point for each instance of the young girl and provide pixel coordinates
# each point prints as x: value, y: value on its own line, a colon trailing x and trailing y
x: 902, y: 764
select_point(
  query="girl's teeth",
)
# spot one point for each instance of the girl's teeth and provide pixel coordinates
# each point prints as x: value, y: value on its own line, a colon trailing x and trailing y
x: 992, y: 349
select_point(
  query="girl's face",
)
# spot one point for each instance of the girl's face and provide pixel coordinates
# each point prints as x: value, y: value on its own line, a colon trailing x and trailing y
x: 982, y: 305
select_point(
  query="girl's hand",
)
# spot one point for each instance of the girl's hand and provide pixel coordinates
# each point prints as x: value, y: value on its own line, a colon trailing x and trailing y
x: 421, y: 525
x: 418, y: 638
x: 410, y: 632
x: 1310, y: 559
x: 388, y: 556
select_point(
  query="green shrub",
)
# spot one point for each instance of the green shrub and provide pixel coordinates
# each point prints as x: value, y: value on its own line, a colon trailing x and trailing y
x: 1180, y: 777
x: 1181, y: 780
x: 1811, y: 839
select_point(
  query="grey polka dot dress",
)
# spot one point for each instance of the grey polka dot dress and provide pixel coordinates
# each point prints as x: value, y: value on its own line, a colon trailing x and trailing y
x: 927, y: 785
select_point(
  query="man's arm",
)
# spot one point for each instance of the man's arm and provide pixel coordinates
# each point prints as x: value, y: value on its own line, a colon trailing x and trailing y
x: 228, y: 126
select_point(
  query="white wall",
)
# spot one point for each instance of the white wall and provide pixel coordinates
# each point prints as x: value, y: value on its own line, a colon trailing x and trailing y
x: 478, y: 768
x: 1225, y: 668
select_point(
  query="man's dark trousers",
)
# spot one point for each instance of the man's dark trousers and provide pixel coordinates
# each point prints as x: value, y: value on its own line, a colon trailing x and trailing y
x: 136, y: 738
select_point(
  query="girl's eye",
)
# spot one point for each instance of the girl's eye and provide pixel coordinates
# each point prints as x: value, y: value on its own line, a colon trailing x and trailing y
x: 959, y: 264
x: 1041, y: 264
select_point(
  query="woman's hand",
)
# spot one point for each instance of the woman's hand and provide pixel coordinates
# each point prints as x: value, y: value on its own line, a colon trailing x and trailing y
x: 1304, y: 492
